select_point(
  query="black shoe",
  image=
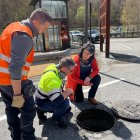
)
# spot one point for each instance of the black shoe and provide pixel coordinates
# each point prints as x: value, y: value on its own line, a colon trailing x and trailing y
x: 61, y: 123
x: 42, y: 118
x: 79, y: 99
x: 41, y: 115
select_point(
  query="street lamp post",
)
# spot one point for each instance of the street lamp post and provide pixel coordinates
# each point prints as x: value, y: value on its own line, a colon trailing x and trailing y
x: 86, y: 20
x: 90, y: 17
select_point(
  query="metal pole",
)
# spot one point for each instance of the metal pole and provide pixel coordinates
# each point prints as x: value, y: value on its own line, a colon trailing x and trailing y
x: 101, y: 40
x: 107, y: 28
x: 86, y: 20
x: 68, y: 26
x: 90, y: 17
x: 43, y: 34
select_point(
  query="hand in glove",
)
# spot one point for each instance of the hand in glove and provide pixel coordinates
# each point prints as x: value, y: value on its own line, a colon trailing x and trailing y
x: 18, y: 101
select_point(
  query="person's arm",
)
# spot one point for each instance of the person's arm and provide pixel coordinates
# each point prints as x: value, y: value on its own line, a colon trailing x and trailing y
x: 95, y: 69
x: 16, y: 84
x: 21, y: 46
x: 94, y: 72
x: 73, y: 74
x: 67, y: 93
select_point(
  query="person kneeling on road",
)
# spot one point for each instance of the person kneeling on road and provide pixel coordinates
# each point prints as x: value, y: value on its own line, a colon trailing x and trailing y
x: 50, y: 96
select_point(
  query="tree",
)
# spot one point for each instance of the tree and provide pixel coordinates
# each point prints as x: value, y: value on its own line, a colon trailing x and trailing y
x: 72, y: 9
x: 76, y: 11
x: 95, y: 12
x: 80, y: 16
x: 131, y: 15
x: 14, y: 10
x: 115, y: 12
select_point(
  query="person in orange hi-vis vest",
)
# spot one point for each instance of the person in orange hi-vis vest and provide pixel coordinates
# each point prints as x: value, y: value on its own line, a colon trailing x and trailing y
x: 16, y: 56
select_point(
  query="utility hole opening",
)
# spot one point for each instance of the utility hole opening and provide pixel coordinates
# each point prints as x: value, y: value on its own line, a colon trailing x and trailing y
x: 95, y: 120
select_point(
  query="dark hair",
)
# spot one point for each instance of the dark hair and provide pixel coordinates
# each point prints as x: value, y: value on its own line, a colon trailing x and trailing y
x: 90, y: 47
x: 41, y: 15
x: 66, y: 62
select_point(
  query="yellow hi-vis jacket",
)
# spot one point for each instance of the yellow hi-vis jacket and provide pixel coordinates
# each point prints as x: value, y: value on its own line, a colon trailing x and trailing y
x: 50, y: 84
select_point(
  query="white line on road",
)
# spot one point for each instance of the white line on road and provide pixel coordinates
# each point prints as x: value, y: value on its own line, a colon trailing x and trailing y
x: 85, y: 90
x: 125, y: 46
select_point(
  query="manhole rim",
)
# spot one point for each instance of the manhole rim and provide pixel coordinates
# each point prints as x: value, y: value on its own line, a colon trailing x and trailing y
x: 123, y: 118
x: 108, y: 110
x: 120, y: 116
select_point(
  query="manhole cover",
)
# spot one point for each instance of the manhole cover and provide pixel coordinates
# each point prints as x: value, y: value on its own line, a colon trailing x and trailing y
x: 128, y: 110
x: 95, y: 120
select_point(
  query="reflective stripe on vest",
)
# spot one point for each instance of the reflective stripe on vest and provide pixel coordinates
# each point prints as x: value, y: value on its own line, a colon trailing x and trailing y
x: 5, y: 52
x: 5, y: 70
x: 8, y: 60
x: 51, y: 95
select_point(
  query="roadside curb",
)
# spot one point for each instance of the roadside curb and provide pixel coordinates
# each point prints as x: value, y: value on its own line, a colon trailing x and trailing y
x: 51, y: 55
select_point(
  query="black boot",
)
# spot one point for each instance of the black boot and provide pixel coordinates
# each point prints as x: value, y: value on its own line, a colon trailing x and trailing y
x: 79, y: 96
x: 61, y: 123
x: 41, y: 115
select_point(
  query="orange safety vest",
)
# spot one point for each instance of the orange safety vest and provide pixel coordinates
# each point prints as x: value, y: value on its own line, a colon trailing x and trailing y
x: 5, y: 52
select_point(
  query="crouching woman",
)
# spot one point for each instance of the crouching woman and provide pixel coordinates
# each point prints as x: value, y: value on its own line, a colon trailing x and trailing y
x: 84, y: 74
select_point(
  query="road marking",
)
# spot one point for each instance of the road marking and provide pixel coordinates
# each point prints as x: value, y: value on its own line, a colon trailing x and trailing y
x: 106, y: 84
x: 125, y: 46
x: 85, y: 90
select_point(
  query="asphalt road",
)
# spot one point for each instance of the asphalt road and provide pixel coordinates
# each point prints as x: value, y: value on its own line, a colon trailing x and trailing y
x: 121, y: 81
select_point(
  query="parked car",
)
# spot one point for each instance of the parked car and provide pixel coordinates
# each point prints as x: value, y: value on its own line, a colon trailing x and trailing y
x: 75, y: 33
x: 95, y: 35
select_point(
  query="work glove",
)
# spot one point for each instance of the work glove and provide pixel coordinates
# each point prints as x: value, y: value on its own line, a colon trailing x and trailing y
x: 18, y: 101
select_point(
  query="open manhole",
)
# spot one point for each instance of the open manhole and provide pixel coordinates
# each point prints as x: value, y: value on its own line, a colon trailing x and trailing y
x: 127, y: 110
x: 96, y: 120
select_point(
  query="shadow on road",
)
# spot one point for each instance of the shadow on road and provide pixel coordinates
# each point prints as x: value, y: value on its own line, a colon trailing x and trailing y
x: 0, y: 99
x: 83, y: 105
x: 120, y: 130
x: 126, y: 58
x: 53, y: 132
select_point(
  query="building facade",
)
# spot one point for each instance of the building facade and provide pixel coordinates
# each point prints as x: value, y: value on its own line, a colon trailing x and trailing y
x: 57, y: 35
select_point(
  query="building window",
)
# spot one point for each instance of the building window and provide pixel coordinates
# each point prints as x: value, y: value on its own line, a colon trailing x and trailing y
x: 56, y: 9
x: 56, y: 37
x: 52, y: 37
